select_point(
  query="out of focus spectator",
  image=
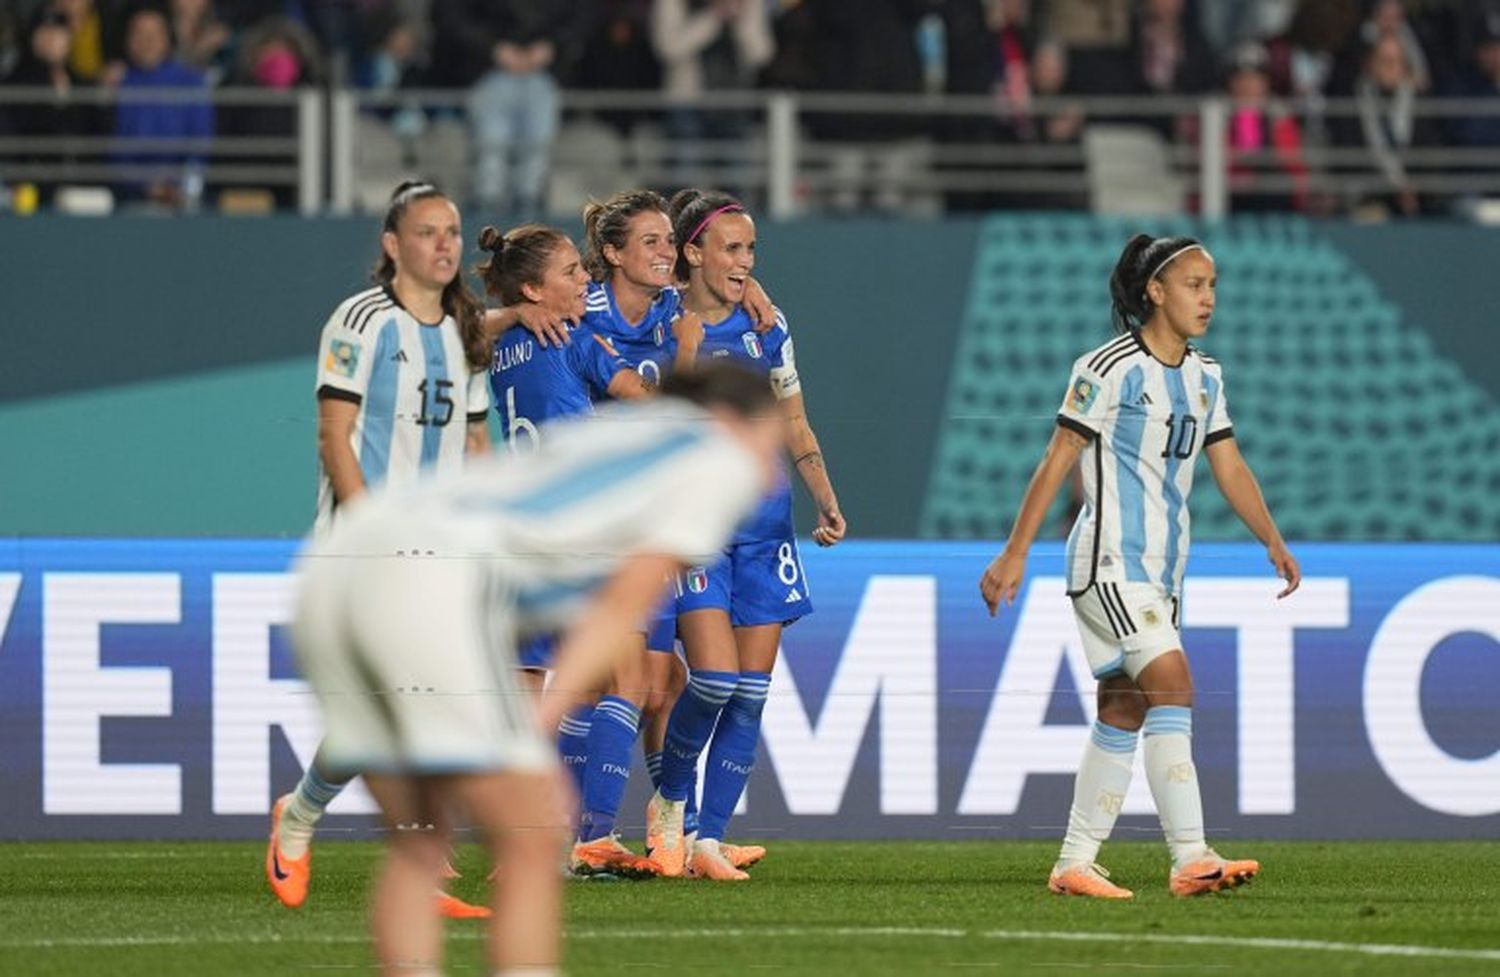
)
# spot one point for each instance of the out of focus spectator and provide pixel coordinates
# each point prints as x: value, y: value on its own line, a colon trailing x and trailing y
x: 1168, y: 51
x: 390, y: 62
x: 707, y: 46
x: 1264, y: 140
x: 1388, y: 20
x: 1388, y: 125
x: 202, y: 38
x: 617, y: 53
x: 506, y: 53
x: 1097, y: 35
x: 278, y: 54
x: 1009, y: 22
x: 44, y: 64
x: 1302, y: 60
x: 96, y: 49
x: 148, y: 51
x: 794, y: 28
x: 1482, y: 81
x: 1059, y: 124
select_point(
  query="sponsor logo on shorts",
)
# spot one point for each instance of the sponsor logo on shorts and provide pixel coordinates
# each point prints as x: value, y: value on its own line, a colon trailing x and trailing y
x: 793, y: 596
x: 1150, y: 616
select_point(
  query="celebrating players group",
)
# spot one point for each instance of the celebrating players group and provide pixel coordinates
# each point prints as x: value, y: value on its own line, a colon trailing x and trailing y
x: 633, y: 540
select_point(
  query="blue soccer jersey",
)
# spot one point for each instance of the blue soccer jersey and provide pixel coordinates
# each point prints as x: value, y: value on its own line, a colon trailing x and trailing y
x: 533, y: 383
x: 649, y: 346
x: 770, y: 354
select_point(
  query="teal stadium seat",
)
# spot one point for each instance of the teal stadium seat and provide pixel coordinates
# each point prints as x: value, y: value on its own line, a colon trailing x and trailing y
x: 1356, y: 426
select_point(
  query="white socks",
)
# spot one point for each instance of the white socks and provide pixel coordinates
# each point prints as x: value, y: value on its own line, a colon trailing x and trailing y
x: 1098, y: 792
x: 304, y: 809
x: 1174, y: 780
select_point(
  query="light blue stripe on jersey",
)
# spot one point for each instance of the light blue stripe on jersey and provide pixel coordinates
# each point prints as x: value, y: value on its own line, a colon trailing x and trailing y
x: 380, y: 406
x: 1128, y: 432
x: 1212, y: 386
x: 543, y: 598
x: 435, y: 359
x: 597, y: 477
x: 1171, y: 493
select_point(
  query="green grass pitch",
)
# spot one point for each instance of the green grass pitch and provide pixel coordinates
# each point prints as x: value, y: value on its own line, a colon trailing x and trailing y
x: 864, y: 909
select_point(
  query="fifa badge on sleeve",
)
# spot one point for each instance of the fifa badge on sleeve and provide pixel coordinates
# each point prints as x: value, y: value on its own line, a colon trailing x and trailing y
x: 343, y: 358
x: 1083, y: 395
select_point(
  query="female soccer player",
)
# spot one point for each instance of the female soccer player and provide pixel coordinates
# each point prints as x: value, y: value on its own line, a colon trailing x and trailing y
x: 1143, y: 406
x: 576, y: 537
x: 730, y: 615
x: 401, y: 391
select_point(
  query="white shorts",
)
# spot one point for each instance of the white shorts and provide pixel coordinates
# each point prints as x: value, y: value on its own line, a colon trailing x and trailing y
x: 414, y: 664
x: 1126, y: 626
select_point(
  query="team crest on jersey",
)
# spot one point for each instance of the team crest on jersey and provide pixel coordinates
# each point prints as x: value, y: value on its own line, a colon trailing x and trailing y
x: 343, y: 358
x: 697, y: 580
x: 752, y: 345
x: 1151, y: 619
x: 1083, y: 395
x: 1203, y: 397
x: 659, y: 334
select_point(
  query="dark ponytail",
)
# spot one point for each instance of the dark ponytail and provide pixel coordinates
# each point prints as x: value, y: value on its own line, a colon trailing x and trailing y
x: 1144, y: 258
x: 691, y: 210
x: 517, y: 257
x: 463, y: 305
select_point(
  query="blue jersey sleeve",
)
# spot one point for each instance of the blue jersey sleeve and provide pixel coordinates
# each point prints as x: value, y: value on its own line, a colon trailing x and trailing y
x: 595, y: 360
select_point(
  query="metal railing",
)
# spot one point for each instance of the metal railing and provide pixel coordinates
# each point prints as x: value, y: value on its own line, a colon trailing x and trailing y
x: 792, y: 153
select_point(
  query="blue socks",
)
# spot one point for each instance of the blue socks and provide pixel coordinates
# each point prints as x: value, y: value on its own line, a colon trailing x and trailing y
x: 610, y: 743
x: 572, y: 743
x: 690, y: 727
x: 732, y: 755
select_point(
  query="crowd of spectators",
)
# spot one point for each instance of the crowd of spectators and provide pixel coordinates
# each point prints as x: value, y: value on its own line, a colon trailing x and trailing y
x: 1278, y: 62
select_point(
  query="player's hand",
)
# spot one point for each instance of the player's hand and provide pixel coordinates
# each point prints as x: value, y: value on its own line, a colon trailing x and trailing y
x: 1002, y: 580
x: 549, y: 328
x: 1286, y: 567
x: 758, y: 304
x: 687, y: 329
x: 831, y: 527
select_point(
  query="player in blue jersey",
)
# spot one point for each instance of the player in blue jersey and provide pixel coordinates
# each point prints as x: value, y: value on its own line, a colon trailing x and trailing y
x: 1138, y: 411
x: 401, y: 394
x: 730, y: 614
x: 631, y: 302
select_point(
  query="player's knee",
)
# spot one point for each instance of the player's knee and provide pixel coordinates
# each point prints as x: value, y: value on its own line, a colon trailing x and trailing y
x: 1123, y: 710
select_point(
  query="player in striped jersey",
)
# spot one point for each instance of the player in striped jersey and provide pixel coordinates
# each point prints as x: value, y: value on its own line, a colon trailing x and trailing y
x: 576, y: 536
x: 1138, y: 411
x: 401, y: 393
x: 730, y: 614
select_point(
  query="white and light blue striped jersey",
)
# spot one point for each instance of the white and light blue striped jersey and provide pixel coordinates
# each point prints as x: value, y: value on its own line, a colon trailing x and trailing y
x: 1148, y: 421
x: 552, y: 525
x: 415, y: 390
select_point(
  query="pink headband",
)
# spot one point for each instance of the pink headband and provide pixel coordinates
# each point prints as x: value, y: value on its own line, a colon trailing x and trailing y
x: 726, y: 209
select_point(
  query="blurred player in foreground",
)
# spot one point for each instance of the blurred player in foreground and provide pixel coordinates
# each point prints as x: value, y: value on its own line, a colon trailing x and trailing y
x: 410, y: 611
x: 730, y: 613
x: 1143, y: 406
x: 401, y: 394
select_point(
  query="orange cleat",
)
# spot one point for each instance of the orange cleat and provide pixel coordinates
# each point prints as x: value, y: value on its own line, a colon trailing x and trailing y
x: 607, y: 855
x: 742, y: 856
x: 1212, y: 873
x: 288, y: 876
x: 664, y: 835
x: 708, y: 861
x: 452, y: 907
x: 1086, y: 880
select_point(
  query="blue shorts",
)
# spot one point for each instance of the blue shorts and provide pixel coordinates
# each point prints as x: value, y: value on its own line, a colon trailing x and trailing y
x: 538, y: 652
x: 663, y: 634
x: 758, y: 583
